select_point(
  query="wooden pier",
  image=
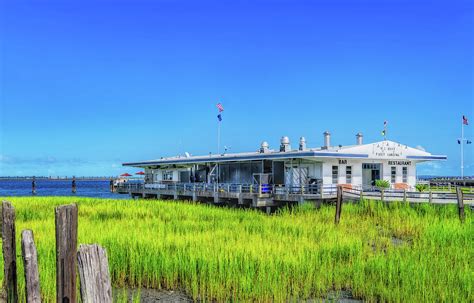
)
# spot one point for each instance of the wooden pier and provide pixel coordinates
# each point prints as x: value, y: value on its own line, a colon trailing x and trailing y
x: 238, y: 194
x: 257, y: 196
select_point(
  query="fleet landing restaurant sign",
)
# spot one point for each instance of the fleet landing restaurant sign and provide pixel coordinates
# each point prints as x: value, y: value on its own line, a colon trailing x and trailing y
x: 404, y: 163
x: 389, y: 150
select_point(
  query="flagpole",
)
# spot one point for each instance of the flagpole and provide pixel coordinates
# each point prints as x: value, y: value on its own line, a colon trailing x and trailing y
x: 462, y: 149
x: 218, y: 137
x: 220, y: 109
x: 218, y: 150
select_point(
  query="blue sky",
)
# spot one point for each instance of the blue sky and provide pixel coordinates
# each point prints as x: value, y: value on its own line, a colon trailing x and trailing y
x: 87, y: 85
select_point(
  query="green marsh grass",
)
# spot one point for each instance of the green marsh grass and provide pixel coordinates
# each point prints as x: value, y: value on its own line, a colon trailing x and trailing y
x: 380, y: 252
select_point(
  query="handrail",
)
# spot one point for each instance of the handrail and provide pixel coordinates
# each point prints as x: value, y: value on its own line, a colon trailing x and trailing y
x: 404, y: 195
x: 308, y: 189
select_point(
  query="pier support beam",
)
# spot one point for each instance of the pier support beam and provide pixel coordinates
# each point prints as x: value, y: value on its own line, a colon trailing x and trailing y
x: 240, y: 199
x: 300, y: 199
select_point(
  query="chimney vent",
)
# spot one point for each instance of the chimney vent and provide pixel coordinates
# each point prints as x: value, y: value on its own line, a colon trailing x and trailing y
x: 302, y: 144
x: 327, y: 140
x: 359, y: 137
x: 285, y: 144
x: 264, y: 147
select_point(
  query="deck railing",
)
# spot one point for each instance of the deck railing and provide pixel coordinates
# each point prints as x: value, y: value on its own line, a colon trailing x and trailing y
x: 404, y: 195
x: 308, y: 189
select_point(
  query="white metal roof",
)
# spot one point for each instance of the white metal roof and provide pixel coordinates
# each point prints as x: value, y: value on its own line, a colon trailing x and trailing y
x: 378, y: 150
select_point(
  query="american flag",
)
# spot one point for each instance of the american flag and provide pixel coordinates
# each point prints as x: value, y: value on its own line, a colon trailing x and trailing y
x: 220, y: 107
x: 464, y: 120
x: 384, y: 123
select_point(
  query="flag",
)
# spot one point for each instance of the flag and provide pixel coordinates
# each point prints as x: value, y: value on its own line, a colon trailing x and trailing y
x: 459, y: 141
x: 468, y: 142
x: 219, y: 117
x: 384, y: 132
x: 464, y: 120
x: 220, y: 107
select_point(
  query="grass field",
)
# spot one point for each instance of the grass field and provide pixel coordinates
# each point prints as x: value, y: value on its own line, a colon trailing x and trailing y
x: 380, y: 253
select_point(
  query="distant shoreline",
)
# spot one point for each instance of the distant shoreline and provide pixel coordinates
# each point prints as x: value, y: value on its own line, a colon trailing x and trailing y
x: 65, y: 178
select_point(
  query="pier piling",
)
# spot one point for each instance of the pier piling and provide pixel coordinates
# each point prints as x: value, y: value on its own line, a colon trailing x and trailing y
x: 66, y: 247
x: 9, y: 252
x: 338, y: 205
x: 460, y: 197
x: 33, y: 186
x: 30, y: 261
x: 94, y: 274
x: 73, y: 183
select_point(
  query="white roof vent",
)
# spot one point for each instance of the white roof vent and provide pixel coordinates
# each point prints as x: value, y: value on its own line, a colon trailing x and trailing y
x: 302, y: 144
x: 264, y: 147
x: 327, y: 140
x: 359, y: 138
x: 285, y: 144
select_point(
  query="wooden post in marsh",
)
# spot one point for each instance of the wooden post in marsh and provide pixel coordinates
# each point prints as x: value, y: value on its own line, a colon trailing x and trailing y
x: 381, y: 194
x: 33, y: 186
x: 404, y: 195
x: 430, y: 197
x: 111, y: 185
x: 66, y: 247
x: 94, y: 274
x: 73, y: 184
x: 460, y: 203
x: 30, y: 262
x: 9, y: 252
x: 361, y: 198
x: 338, y: 205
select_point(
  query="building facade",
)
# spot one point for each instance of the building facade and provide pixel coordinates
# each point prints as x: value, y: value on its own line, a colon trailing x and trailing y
x: 358, y: 165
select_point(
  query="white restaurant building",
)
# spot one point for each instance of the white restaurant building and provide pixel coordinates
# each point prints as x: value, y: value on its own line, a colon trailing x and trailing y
x: 353, y: 165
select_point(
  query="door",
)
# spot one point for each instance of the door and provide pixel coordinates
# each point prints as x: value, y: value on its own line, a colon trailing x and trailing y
x: 370, y: 173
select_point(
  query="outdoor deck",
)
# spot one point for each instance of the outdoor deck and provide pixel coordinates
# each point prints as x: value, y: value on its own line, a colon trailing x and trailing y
x: 239, y: 194
x: 270, y: 196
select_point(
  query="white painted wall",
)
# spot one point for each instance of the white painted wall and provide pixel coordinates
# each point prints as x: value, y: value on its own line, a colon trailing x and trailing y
x: 357, y: 171
x: 323, y: 170
x: 356, y: 165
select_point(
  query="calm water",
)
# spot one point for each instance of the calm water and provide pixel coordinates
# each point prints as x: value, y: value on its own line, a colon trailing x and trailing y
x: 96, y: 189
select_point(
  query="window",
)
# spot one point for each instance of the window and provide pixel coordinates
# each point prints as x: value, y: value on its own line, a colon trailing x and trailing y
x: 370, y: 166
x: 335, y: 174
x: 405, y: 174
x: 168, y: 175
x: 394, y: 174
x: 348, y: 174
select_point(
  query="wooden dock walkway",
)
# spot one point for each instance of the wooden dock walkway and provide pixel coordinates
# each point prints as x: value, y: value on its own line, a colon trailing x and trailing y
x: 239, y: 194
x: 270, y: 196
